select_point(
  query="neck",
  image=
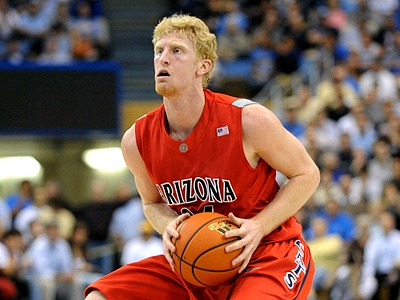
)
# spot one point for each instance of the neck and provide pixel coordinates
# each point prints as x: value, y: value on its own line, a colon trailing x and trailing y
x: 183, y: 113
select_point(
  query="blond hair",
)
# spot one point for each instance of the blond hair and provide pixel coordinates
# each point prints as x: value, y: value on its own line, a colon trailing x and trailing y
x: 204, y: 42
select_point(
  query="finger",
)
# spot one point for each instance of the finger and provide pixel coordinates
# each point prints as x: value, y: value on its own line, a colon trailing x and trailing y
x: 173, y: 232
x: 167, y: 240
x: 168, y: 256
x: 244, y: 265
x: 235, y: 220
x: 239, y: 244
x: 182, y: 218
x: 237, y: 260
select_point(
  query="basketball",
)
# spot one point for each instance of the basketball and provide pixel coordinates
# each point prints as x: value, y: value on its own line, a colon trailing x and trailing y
x: 200, y: 256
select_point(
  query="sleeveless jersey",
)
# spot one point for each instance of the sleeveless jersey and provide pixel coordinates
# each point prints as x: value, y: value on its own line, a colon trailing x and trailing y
x: 208, y: 171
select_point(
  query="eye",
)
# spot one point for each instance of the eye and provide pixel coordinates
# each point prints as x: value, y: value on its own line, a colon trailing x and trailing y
x: 158, y: 51
x: 177, y: 50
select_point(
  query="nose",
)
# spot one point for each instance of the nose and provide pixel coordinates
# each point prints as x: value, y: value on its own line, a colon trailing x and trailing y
x: 164, y: 58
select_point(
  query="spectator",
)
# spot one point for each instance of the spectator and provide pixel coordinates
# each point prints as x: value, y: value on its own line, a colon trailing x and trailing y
x: 396, y: 170
x: 346, y: 193
x: 382, y: 9
x: 8, y: 17
x: 327, y: 188
x: 393, y: 132
x: 378, y: 80
x: 356, y: 250
x: 79, y: 246
x: 233, y: 40
x: 338, y: 221
x: 385, y: 34
x: 345, y: 153
x: 328, y: 254
x: 379, y: 168
x: 51, y: 272
x: 11, y: 263
x: 54, y: 190
x: 36, y: 229
x: 55, y: 210
x: 309, y: 106
x: 14, y: 52
x: 34, y: 24
x: 232, y: 14
x: 145, y: 245
x: 97, y: 212
x: 380, y: 274
x: 272, y: 23
x: 57, y: 46
x: 369, y: 51
x: 391, y: 201
x: 5, y: 217
x: 21, y: 199
x: 347, y: 124
x: 85, y: 272
x: 329, y: 160
x: 262, y: 60
x: 327, y: 134
x: 351, y: 38
x: 331, y: 51
x: 336, y: 94
x: 31, y: 213
x: 297, y: 27
x: 125, y: 220
x: 90, y: 35
x: 336, y: 16
x: 63, y: 15
x: 354, y: 71
x: 291, y: 119
x: 364, y: 189
x: 311, y: 144
x: 95, y: 6
x: 383, y: 126
x: 287, y: 59
x: 391, y: 55
x: 364, y: 134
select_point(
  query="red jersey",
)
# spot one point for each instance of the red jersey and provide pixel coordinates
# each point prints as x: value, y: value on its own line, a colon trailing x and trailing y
x: 208, y: 171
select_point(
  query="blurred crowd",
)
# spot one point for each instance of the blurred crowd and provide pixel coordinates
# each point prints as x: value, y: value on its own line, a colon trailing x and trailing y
x: 50, y: 250
x: 261, y: 39
x: 53, y: 31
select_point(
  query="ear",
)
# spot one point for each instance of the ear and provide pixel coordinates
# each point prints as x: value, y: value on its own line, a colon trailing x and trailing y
x: 204, y: 67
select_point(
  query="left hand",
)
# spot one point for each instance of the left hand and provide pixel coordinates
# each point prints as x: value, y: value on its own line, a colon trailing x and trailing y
x: 251, y: 234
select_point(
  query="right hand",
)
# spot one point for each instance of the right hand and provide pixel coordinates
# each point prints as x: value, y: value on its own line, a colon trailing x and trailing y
x: 169, y: 232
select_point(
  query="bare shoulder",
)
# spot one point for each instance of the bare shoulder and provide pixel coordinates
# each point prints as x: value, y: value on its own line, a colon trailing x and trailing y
x: 95, y: 295
x: 131, y: 153
x: 129, y: 138
x: 258, y: 120
x: 265, y: 137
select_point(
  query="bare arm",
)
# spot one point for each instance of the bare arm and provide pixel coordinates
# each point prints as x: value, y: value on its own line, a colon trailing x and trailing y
x: 265, y: 138
x: 155, y: 209
x: 162, y: 218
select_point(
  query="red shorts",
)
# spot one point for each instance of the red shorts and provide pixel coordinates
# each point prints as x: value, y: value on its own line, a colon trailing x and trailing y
x: 281, y: 270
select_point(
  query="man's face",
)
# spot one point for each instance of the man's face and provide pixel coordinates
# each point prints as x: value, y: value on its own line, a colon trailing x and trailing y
x: 175, y: 65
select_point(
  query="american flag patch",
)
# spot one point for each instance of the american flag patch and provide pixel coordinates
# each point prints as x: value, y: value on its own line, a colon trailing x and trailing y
x: 221, y: 131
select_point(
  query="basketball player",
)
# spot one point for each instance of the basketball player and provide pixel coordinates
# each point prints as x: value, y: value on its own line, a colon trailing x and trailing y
x: 204, y: 151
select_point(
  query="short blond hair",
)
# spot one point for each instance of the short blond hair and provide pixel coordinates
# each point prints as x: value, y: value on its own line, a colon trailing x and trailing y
x: 204, y: 42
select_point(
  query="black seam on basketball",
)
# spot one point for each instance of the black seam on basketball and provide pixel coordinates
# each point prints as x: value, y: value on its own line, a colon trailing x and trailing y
x: 193, y: 235
x: 210, y: 249
x: 193, y: 267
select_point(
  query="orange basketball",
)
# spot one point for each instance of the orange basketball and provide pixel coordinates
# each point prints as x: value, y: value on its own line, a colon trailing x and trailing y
x: 200, y: 256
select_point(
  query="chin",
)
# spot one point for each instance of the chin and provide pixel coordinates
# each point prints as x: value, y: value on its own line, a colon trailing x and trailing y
x: 164, y: 90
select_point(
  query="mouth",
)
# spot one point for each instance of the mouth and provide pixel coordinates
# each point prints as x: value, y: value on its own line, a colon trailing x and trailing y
x: 163, y: 73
